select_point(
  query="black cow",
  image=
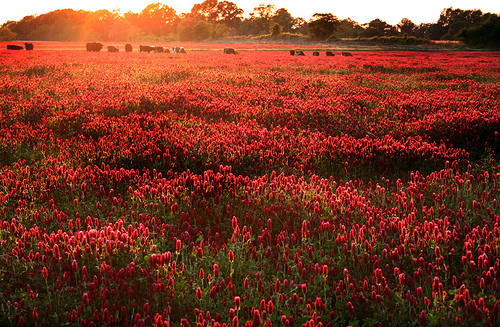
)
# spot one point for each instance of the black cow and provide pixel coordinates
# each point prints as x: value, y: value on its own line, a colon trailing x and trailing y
x: 146, y: 48
x: 28, y: 46
x: 94, y: 46
x: 316, y: 53
x: 329, y: 54
x: 14, y: 47
x: 112, y: 49
x: 292, y: 52
x: 230, y: 51
x: 346, y: 54
x: 299, y: 53
x: 128, y: 47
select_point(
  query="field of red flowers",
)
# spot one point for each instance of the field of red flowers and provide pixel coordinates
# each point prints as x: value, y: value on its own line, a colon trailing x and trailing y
x: 250, y: 190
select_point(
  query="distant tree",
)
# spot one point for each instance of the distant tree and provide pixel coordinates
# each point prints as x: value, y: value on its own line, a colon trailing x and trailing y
x: 229, y: 13
x: 451, y: 21
x: 123, y: 30
x: 284, y: 19
x: 221, y: 31
x: 299, y: 26
x: 6, y: 34
x: 185, y: 27
x: 98, y: 25
x: 378, y: 27
x: 22, y: 27
x: 348, y: 28
x: 322, y: 26
x: 157, y: 19
x: 406, y: 26
x: 206, y: 9
x: 201, y: 31
x: 57, y: 25
x: 261, y: 17
x: 276, y: 30
x: 132, y: 18
x: 485, y: 35
x: 423, y: 30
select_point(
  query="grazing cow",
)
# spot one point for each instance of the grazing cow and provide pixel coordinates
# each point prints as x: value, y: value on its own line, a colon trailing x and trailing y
x: 146, y: 48
x: 346, y: 54
x: 316, y: 53
x: 230, y: 51
x: 179, y: 50
x: 112, y: 49
x: 299, y: 53
x: 14, y: 47
x: 128, y: 47
x: 28, y: 46
x: 329, y: 54
x: 94, y: 46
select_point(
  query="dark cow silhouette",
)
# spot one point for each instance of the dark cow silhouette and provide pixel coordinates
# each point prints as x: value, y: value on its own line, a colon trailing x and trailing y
x: 297, y: 53
x: 28, y: 46
x: 112, y: 49
x: 329, y: 54
x: 230, y: 51
x: 292, y: 52
x: 146, y: 48
x: 14, y: 47
x: 94, y: 46
x: 128, y: 47
x: 346, y: 54
x: 316, y: 53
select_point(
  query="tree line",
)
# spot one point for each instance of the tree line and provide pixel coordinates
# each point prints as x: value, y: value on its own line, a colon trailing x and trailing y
x: 216, y: 20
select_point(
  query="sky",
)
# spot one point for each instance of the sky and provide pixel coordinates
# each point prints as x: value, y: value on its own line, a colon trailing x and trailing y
x: 361, y: 11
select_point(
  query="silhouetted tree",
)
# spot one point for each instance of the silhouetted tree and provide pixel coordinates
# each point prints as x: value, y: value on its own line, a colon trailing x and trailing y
x: 322, y: 26
x: 261, y: 17
x: 157, y: 19
x: 299, y: 26
x: 486, y: 34
x: 451, y: 21
x: 406, y: 26
x: 98, y: 25
x: 284, y: 19
x: 347, y: 28
x: 201, y: 31
x: 378, y: 27
x: 276, y: 30
x: 6, y: 34
x: 229, y: 13
x: 207, y: 9
x: 57, y: 25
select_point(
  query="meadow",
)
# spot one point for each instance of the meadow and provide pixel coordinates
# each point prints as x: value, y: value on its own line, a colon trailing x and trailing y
x: 250, y: 190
